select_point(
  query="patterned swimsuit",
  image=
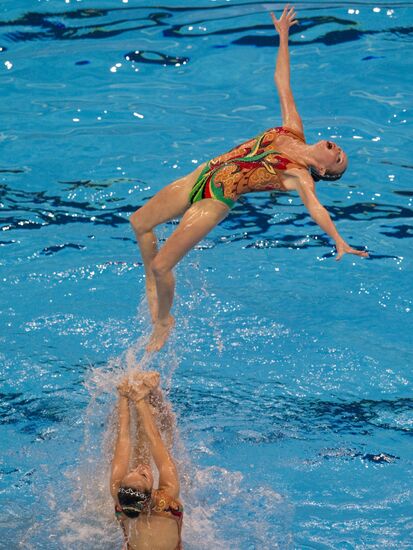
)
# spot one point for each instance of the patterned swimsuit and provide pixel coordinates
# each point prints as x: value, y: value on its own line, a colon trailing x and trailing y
x: 252, y: 166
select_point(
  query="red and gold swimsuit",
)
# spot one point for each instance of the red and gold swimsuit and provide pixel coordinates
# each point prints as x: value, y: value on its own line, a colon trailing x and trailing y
x: 255, y: 165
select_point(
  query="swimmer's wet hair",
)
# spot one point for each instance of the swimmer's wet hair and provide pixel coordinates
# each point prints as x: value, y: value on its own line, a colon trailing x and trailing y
x: 325, y: 177
x: 133, y: 501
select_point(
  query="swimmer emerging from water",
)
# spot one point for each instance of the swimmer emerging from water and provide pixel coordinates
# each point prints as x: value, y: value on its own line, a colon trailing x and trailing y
x: 151, y: 519
x: 278, y: 159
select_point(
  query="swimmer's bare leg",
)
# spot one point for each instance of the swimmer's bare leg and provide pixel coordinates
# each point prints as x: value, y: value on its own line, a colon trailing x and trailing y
x: 168, y: 203
x: 196, y: 223
x: 165, y: 205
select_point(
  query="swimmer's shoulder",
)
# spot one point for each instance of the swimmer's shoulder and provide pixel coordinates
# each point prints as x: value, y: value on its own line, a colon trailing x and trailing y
x: 296, y: 177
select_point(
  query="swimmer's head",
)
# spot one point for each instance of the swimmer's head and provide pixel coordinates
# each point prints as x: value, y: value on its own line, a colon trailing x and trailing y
x: 135, y: 491
x: 133, y: 501
x: 331, y: 160
x: 140, y: 477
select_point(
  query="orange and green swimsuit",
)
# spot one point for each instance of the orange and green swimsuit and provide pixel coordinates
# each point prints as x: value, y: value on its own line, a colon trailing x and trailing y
x: 255, y: 165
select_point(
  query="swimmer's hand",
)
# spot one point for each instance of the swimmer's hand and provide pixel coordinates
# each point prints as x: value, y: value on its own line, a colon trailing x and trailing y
x: 123, y: 388
x: 343, y: 248
x: 139, y: 385
x: 287, y: 20
x: 129, y: 383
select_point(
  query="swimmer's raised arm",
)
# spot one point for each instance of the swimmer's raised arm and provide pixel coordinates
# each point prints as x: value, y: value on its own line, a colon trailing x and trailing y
x: 290, y: 116
x: 306, y: 190
x: 168, y: 475
x: 120, y: 461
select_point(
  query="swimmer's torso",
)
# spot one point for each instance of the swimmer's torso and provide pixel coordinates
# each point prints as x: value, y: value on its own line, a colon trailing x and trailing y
x: 259, y: 164
x: 159, y: 530
x: 152, y: 533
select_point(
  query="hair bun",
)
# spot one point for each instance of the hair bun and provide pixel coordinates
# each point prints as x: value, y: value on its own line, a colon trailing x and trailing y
x: 325, y: 177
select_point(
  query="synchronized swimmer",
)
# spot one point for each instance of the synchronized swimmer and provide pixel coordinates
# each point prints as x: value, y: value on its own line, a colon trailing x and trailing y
x: 150, y: 518
x: 278, y: 159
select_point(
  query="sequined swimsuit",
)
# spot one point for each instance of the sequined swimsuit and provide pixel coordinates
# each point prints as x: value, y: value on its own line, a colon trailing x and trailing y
x: 255, y: 165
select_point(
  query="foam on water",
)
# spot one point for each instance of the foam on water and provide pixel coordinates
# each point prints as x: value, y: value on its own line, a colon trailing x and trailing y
x: 211, y: 495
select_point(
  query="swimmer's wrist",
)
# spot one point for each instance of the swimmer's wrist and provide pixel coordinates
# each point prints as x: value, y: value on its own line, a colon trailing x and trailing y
x: 123, y: 398
x: 123, y: 401
x: 139, y: 402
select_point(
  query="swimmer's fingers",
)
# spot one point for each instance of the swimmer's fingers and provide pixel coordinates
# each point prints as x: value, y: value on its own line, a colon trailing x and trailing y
x: 361, y: 253
x: 282, y: 18
x: 123, y: 387
x: 275, y: 21
x: 291, y: 17
x: 128, y: 382
x: 135, y: 377
x: 292, y: 13
x: 151, y: 379
x: 138, y: 391
x: 143, y: 384
x: 287, y: 20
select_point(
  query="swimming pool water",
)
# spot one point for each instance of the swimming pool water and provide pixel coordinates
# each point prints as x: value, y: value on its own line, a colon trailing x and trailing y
x: 290, y: 372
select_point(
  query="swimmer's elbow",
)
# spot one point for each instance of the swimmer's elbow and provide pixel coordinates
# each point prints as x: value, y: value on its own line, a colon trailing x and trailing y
x: 315, y: 210
x: 282, y: 79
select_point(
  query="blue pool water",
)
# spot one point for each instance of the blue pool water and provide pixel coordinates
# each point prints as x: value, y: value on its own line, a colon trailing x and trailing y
x: 289, y: 372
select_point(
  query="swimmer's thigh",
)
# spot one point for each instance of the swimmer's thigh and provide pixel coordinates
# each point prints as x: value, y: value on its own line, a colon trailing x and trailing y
x: 196, y: 223
x: 170, y: 202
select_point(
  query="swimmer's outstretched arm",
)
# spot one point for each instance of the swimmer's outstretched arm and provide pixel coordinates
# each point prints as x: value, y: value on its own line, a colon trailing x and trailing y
x: 168, y: 475
x: 290, y: 116
x: 120, y: 461
x: 306, y: 190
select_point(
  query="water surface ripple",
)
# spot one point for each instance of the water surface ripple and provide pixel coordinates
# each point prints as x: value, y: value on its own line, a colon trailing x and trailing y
x: 289, y: 372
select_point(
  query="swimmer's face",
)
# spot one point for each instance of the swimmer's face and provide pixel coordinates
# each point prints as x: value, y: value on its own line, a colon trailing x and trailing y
x: 332, y: 156
x: 140, y: 478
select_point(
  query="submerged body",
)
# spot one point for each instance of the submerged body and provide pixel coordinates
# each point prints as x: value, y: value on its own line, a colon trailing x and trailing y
x: 160, y: 529
x: 151, y: 518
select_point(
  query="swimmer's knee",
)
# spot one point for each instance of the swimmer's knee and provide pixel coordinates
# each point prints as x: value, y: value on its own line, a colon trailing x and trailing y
x: 137, y: 222
x: 134, y: 218
x: 159, y: 267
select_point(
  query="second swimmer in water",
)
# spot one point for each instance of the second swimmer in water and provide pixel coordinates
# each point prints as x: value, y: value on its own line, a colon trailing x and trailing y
x: 150, y: 518
x: 278, y: 159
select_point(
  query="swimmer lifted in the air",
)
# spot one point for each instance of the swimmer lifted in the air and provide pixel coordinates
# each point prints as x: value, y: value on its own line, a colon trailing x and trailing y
x: 278, y: 159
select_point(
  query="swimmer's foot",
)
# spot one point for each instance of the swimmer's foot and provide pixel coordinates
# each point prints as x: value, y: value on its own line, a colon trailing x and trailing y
x: 160, y: 334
